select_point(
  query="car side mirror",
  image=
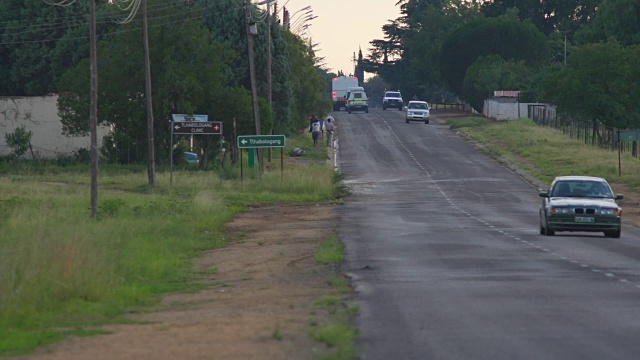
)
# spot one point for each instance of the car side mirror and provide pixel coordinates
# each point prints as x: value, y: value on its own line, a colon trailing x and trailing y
x: 619, y: 197
x: 543, y: 194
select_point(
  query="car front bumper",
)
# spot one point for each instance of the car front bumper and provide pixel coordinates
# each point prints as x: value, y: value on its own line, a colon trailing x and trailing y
x: 392, y: 103
x: 417, y: 116
x: 583, y: 223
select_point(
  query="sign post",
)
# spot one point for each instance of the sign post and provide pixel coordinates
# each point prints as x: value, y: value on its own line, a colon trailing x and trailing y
x: 183, y: 124
x: 196, y: 128
x: 262, y: 141
x: 625, y: 135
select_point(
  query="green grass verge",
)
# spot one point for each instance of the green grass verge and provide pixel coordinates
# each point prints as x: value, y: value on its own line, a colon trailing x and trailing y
x: 62, y: 272
x: 305, y: 142
x: 467, y: 122
x: 330, y: 251
x: 546, y: 152
x: 338, y: 334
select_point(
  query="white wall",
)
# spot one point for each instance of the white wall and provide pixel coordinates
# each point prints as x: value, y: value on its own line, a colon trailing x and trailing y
x: 39, y: 114
x: 505, y: 111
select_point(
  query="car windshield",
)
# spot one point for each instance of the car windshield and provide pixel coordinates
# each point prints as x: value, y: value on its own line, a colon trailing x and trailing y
x: 393, y: 94
x: 581, y: 188
x: 417, y: 106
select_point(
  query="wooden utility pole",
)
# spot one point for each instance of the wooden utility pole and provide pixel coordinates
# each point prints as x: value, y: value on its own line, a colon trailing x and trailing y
x: 151, y: 162
x: 269, y: 81
x: 93, y: 103
x: 269, y: 86
x: 93, y: 113
x: 252, y: 75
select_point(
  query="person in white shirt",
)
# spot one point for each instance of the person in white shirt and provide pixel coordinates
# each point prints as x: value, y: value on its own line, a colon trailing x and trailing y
x: 330, y: 127
x: 315, y: 128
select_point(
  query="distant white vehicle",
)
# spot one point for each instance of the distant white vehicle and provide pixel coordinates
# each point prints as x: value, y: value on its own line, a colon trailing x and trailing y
x: 357, y: 100
x: 392, y: 99
x: 339, y: 87
x: 417, y: 111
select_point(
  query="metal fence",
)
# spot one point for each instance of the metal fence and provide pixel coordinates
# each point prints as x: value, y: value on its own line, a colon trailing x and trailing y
x: 591, y: 132
x: 458, y: 106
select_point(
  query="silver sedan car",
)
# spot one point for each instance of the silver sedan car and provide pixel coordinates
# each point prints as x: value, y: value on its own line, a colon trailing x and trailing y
x: 580, y: 203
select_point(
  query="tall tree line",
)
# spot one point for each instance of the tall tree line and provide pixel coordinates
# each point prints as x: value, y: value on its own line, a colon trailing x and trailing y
x: 199, y: 65
x: 546, y: 49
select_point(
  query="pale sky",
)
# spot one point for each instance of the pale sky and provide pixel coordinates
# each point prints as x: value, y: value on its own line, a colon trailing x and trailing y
x: 343, y: 26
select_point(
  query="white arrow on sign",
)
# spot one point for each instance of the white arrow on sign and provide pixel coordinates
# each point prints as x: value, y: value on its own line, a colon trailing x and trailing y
x: 243, y: 141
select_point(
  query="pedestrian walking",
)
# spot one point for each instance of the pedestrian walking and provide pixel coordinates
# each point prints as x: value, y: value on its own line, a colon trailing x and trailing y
x: 330, y: 127
x: 315, y: 129
x: 322, y: 128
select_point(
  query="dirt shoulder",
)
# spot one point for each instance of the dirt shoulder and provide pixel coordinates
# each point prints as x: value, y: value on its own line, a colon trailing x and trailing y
x: 258, y: 302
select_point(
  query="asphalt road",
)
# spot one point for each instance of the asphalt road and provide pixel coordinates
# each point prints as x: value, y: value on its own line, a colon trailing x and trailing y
x: 444, y: 253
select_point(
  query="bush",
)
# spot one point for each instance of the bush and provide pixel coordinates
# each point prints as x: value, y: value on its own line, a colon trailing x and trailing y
x: 19, y: 140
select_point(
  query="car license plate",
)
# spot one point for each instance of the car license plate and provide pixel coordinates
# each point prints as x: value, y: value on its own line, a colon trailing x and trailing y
x: 584, y: 219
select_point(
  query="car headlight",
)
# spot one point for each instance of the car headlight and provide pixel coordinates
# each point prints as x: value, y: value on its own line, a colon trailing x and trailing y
x: 610, y: 212
x: 560, y: 210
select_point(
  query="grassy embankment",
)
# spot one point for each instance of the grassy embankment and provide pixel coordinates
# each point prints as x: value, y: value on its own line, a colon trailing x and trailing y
x: 546, y: 152
x: 62, y: 272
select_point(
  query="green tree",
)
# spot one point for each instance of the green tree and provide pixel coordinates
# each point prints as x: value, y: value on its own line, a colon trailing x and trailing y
x: 432, y: 25
x: 188, y: 73
x: 615, y: 19
x: 547, y: 16
x: 226, y: 21
x: 307, y: 83
x: 375, y: 87
x: 38, y: 42
x: 19, y: 141
x: 508, y: 38
x: 599, y: 83
x: 491, y: 73
x: 281, y: 90
x: 409, y: 55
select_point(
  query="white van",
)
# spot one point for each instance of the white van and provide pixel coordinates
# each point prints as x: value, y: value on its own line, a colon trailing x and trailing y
x: 357, y: 99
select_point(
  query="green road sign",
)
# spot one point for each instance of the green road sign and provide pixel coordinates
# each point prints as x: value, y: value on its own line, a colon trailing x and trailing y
x: 629, y: 135
x: 260, y: 141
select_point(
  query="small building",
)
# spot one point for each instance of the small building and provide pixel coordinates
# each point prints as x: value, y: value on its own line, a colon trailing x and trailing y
x: 505, y: 105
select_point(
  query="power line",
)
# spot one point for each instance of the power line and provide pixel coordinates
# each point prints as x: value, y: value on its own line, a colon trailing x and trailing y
x: 29, y: 22
x: 196, y: 11
x: 63, y: 3
x: 66, y: 21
